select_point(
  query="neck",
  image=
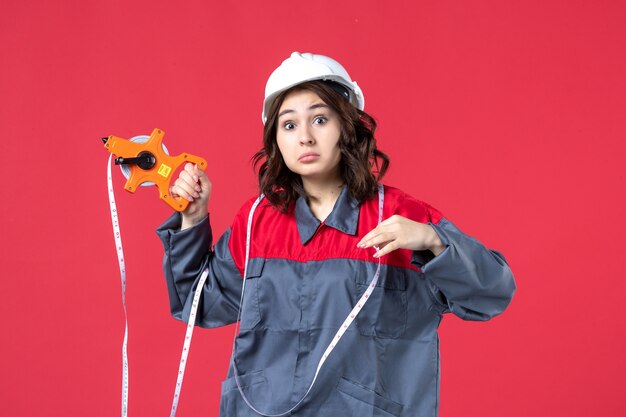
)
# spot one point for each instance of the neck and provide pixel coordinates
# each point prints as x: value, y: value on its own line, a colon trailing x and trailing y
x: 322, y: 195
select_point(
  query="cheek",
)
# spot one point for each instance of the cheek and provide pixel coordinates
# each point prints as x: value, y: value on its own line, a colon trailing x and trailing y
x: 337, y: 153
x: 336, y: 148
x: 281, y: 146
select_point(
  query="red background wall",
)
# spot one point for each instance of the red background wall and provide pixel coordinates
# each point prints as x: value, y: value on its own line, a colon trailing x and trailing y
x: 508, y: 116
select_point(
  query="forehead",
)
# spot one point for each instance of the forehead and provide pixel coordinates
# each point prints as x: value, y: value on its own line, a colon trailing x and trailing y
x: 299, y: 100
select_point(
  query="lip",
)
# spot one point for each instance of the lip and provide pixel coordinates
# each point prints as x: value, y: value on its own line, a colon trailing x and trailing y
x: 308, y: 157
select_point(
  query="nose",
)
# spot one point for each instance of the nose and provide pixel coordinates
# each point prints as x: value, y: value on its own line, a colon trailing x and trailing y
x: 306, y: 138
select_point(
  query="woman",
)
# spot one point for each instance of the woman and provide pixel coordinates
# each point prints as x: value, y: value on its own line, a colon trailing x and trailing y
x: 316, y: 244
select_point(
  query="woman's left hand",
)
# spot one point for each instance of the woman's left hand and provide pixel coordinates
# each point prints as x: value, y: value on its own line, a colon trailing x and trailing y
x: 398, y: 232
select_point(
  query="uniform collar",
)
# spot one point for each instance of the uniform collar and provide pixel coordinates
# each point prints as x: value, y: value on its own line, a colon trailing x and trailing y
x: 344, y: 217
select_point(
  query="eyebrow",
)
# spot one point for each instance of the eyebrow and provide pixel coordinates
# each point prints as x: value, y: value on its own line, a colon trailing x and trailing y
x: 313, y: 107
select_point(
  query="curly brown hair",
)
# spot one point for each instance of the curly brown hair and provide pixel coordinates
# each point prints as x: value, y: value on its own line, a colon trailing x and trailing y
x: 362, y: 165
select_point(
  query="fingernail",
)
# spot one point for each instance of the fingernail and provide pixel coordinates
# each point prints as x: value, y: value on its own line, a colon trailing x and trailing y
x: 195, y: 178
x: 196, y: 195
x: 190, y: 198
x: 198, y: 189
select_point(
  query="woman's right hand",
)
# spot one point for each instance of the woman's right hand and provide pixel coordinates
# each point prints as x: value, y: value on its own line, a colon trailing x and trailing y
x: 193, y: 185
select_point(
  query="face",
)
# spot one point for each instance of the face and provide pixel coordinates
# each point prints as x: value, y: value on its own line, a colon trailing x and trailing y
x: 308, y: 136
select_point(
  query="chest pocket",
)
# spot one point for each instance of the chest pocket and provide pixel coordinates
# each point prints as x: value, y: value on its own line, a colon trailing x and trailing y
x: 385, y: 313
x: 250, y: 310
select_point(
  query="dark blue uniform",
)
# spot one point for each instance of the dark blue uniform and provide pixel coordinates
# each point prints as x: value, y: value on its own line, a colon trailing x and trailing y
x: 304, y: 277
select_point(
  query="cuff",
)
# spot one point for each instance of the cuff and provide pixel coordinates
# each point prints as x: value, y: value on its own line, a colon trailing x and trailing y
x: 422, y: 257
x: 171, y: 235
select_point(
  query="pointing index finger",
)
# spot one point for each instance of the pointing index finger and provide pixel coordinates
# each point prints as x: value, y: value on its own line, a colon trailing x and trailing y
x: 364, y: 242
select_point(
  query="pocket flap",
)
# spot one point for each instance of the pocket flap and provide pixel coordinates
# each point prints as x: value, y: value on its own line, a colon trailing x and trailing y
x: 246, y: 380
x: 391, y: 278
x: 368, y: 396
x: 255, y: 267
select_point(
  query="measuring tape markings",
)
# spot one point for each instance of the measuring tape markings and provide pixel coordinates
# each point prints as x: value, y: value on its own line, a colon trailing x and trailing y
x: 196, y: 300
x: 192, y: 316
x: 342, y: 329
x: 122, y: 266
x: 187, y: 343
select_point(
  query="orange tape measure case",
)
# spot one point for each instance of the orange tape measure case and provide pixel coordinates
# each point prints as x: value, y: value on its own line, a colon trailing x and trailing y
x: 149, y: 162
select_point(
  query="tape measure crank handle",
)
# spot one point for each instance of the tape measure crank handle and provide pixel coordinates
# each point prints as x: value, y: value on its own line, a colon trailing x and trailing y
x: 145, y: 160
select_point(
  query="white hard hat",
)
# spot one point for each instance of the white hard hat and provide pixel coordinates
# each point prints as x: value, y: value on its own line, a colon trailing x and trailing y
x: 299, y: 68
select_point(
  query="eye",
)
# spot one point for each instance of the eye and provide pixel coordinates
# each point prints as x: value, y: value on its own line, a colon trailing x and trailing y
x: 320, y: 120
x: 288, y: 125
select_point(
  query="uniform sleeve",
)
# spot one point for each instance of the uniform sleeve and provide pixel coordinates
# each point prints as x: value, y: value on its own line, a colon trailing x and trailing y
x: 187, y: 254
x: 467, y: 279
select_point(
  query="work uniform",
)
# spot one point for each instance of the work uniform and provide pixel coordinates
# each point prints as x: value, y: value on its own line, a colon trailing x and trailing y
x: 304, y: 277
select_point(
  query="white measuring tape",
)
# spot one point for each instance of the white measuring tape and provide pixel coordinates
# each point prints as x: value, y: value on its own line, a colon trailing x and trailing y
x: 187, y: 343
x: 192, y: 317
x: 196, y: 300
x: 342, y: 329
x: 122, y: 265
